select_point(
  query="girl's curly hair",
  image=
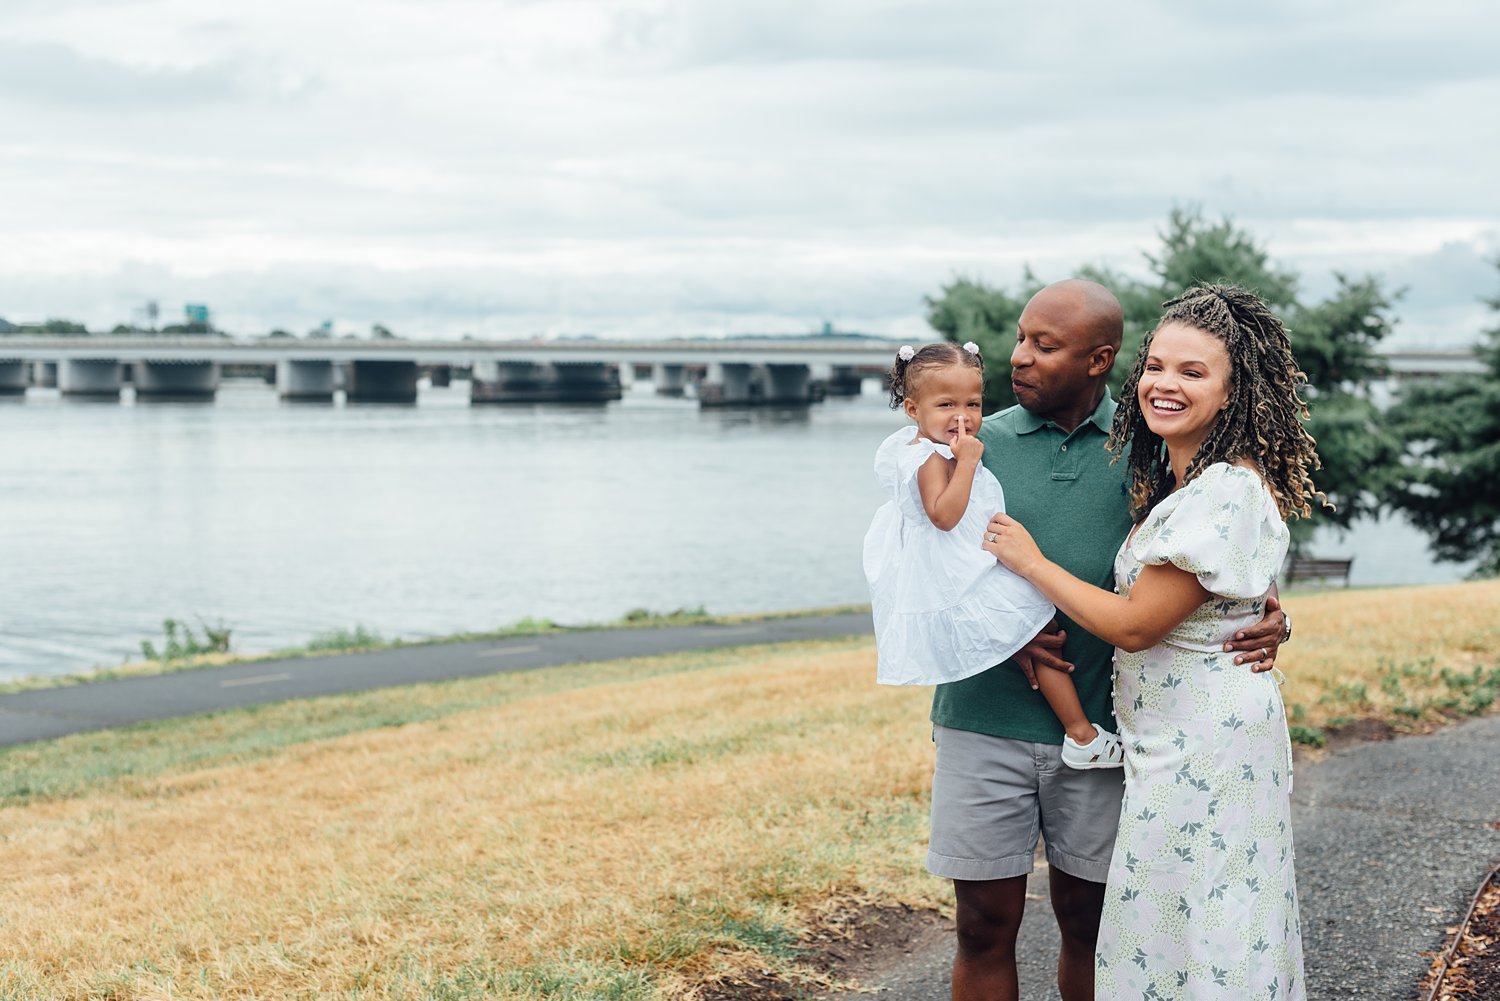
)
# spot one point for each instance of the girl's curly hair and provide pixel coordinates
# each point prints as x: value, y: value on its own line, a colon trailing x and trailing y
x: 906, y: 373
x: 1262, y: 421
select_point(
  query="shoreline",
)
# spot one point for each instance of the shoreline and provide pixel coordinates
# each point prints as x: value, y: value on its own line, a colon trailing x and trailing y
x: 319, y: 646
x: 1338, y: 690
x: 333, y: 642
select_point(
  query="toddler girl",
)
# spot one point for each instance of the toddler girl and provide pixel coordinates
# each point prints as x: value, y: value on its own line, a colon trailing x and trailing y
x: 944, y: 608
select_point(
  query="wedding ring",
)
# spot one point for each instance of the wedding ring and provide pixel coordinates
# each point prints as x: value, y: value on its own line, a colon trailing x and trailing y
x: 990, y: 537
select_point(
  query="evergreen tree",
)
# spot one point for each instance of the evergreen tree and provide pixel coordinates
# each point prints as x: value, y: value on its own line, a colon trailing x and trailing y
x: 1449, y: 484
x: 1335, y: 345
x: 1195, y: 250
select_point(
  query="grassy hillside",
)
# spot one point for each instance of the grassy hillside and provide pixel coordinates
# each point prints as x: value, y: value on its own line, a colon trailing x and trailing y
x: 622, y: 830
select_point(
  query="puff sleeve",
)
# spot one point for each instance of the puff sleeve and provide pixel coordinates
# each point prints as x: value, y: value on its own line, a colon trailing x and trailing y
x: 896, y: 464
x: 1224, y: 528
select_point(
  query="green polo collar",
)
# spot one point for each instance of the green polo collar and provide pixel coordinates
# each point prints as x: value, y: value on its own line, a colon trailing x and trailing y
x: 1102, y: 418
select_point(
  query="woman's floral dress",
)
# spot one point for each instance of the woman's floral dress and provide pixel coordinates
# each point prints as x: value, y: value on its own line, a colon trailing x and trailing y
x: 1201, y: 901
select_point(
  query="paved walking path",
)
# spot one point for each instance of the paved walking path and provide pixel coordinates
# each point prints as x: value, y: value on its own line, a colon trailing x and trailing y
x: 100, y: 705
x: 1392, y: 839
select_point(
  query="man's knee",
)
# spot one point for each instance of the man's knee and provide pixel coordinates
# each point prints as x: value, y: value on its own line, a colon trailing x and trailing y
x: 1078, y: 904
x: 988, y: 914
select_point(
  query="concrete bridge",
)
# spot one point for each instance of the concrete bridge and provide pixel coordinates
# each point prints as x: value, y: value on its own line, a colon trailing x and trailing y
x: 724, y: 373
x: 1430, y: 363
x: 720, y: 373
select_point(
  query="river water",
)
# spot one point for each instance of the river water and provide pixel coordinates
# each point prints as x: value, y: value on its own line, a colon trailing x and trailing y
x: 286, y: 520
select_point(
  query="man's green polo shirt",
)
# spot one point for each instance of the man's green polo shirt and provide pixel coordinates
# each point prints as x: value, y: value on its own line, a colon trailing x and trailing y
x: 1063, y: 488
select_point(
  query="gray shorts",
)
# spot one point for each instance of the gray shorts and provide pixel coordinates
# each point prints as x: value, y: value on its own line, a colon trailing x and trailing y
x: 992, y: 796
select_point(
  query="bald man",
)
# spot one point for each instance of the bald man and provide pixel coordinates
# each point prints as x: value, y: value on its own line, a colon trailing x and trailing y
x: 999, y: 779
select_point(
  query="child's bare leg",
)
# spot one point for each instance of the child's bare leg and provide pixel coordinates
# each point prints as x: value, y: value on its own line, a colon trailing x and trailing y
x: 1060, y: 693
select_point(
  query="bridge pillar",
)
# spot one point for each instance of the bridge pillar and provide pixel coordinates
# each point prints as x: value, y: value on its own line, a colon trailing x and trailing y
x: 382, y: 381
x: 297, y: 379
x: 731, y: 384
x: 670, y: 380
x: 507, y: 382
x: 90, y: 377
x: 843, y: 380
x: 440, y: 376
x: 587, y: 382
x: 533, y: 382
x: 789, y: 385
x: 14, y: 378
x: 44, y: 374
x: 738, y: 384
x: 175, y: 380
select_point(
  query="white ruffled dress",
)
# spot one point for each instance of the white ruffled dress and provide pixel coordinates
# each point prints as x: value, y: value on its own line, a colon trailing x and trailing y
x: 944, y: 608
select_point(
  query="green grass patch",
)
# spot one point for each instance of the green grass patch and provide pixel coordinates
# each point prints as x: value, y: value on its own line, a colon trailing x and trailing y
x: 344, y: 640
x: 1405, y: 693
x: 1308, y: 736
x: 563, y: 978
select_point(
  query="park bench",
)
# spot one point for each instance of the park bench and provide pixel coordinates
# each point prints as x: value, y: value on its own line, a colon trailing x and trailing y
x: 1309, y: 568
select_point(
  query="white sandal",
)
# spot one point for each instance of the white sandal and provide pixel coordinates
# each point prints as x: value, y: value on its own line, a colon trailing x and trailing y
x: 1104, y: 751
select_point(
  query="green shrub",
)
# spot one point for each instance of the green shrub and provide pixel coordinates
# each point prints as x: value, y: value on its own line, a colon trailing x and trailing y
x: 181, y: 642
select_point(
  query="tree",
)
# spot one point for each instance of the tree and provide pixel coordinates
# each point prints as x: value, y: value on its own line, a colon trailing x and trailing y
x: 196, y: 328
x: 48, y: 328
x: 1195, y: 250
x: 1447, y: 486
x: 1334, y: 342
x: 69, y: 328
x: 1335, y: 345
x: 970, y: 310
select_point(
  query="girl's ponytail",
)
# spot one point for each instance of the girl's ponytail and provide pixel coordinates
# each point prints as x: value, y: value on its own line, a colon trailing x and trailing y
x: 911, y: 363
x: 898, y: 375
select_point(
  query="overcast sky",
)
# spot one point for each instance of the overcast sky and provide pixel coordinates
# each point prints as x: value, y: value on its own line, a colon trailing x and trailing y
x: 648, y: 167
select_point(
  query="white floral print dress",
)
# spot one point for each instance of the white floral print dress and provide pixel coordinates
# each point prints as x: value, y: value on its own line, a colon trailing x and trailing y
x: 1201, y: 901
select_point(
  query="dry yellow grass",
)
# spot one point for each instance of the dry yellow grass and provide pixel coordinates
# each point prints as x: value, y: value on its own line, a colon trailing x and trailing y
x: 619, y: 840
x: 1404, y: 655
x: 625, y: 830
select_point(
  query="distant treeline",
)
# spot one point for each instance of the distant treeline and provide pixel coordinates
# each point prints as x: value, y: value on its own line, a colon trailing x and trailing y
x: 70, y: 328
x: 380, y: 332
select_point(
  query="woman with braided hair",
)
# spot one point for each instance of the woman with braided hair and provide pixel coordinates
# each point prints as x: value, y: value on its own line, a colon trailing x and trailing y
x: 1201, y: 900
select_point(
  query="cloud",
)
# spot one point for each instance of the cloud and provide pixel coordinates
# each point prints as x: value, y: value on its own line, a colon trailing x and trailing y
x: 52, y: 73
x: 525, y: 166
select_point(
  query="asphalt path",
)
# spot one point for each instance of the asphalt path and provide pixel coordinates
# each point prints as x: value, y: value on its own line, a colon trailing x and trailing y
x: 1392, y: 838
x: 101, y: 705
